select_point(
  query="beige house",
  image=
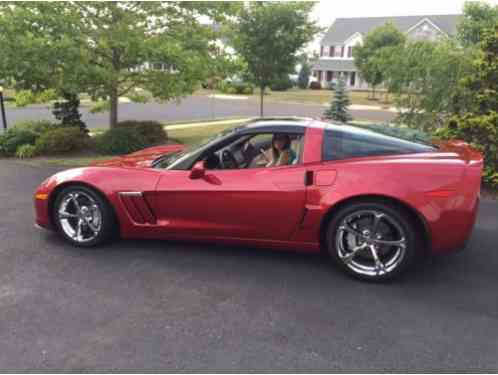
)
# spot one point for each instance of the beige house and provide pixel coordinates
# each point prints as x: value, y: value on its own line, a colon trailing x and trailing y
x: 336, y: 48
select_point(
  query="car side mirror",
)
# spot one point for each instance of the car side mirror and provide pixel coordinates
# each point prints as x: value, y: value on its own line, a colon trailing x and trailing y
x: 198, y: 170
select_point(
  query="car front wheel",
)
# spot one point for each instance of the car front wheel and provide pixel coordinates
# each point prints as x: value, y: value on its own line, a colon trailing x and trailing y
x: 372, y: 241
x: 83, y: 217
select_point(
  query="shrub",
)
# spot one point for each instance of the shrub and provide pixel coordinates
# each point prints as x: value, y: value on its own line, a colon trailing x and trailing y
x: 282, y: 84
x: 26, y: 151
x: 238, y: 87
x: 39, y: 127
x: 24, y: 97
x: 152, y: 132
x: 46, y: 96
x: 481, y: 131
x: 60, y: 140
x: 315, y: 85
x: 330, y: 85
x: 304, y: 76
x: 15, y: 137
x: 67, y: 111
x: 120, y: 140
x: 402, y: 132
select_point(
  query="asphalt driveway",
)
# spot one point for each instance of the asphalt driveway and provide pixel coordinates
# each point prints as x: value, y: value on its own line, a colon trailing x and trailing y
x: 191, y: 108
x: 152, y: 305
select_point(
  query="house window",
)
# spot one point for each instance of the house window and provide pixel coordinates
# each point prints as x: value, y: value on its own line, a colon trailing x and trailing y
x: 350, y: 51
x: 331, y: 51
x: 329, y: 76
x: 342, y: 51
x: 321, y: 51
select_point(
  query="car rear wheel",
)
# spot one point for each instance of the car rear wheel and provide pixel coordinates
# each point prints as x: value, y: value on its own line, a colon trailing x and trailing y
x: 372, y: 241
x: 83, y: 217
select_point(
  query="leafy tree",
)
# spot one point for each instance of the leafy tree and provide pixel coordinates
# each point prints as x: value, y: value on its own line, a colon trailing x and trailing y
x: 338, y: 109
x: 425, y: 78
x: 369, y: 57
x: 268, y: 35
x: 477, y: 17
x: 304, y: 76
x: 108, y: 49
x: 479, y: 125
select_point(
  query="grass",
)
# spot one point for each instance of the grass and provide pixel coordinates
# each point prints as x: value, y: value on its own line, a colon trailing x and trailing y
x: 322, y: 97
x: 193, y: 135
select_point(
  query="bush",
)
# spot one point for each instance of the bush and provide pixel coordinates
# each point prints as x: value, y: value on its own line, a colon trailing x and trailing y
x: 24, y: 97
x: 481, y: 131
x: 315, y: 85
x: 330, y: 85
x: 304, y: 76
x: 26, y: 151
x: 39, y: 127
x: 152, y: 132
x: 60, y: 140
x: 120, y: 140
x: 67, y: 111
x: 282, y: 84
x: 241, y: 88
x: 15, y: 137
x: 46, y: 96
x: 406, y: 133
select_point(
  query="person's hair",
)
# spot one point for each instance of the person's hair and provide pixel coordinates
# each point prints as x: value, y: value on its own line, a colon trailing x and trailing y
x: 287, y: 145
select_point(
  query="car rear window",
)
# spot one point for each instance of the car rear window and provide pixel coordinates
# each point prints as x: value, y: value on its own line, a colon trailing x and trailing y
x: 344, y: 142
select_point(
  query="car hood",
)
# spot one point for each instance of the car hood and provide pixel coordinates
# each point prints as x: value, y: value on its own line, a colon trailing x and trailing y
x: 142, y: 158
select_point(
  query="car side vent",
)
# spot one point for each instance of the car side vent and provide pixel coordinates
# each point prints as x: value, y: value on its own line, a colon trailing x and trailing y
x: 137, y: 207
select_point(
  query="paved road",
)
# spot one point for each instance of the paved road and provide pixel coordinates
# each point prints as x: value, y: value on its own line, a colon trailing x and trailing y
x: 191, y: 108
x: 159, y: 305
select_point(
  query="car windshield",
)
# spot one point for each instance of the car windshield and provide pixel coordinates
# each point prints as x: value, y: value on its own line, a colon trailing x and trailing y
x: 168, y: 160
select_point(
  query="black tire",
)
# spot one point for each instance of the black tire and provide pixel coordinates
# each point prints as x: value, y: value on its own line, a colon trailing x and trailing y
x: 399, y: 219
x: 107, y: 219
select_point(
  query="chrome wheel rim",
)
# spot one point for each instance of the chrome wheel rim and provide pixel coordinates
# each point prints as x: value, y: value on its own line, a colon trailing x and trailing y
x: 370, y: 242
x: 80, y: 216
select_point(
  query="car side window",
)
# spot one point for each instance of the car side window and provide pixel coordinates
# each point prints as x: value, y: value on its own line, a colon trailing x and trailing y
x: 339, y: 144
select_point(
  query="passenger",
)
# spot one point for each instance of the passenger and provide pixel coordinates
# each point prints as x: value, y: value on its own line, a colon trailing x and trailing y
x: 281, y: 152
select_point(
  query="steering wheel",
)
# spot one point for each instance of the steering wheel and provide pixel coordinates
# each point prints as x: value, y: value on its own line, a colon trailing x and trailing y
x: 228, y: 158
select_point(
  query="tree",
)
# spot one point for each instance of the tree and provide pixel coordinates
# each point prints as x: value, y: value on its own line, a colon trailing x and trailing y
x: 108, y: 49
x: 477, y: 17
x: 368, y: 57
x: 338, y: 109
x: 304, y: 76
x: 268, y: 35
x: 479, y: 125
x: 425, y: 79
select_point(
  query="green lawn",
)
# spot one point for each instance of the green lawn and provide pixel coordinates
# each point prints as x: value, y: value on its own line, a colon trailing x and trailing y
x: 300, y: 96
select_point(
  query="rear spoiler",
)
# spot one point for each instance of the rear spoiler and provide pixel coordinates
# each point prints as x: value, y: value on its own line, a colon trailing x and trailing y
x: 465, y: 151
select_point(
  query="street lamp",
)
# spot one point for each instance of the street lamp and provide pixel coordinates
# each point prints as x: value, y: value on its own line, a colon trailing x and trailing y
x: 2, y: 109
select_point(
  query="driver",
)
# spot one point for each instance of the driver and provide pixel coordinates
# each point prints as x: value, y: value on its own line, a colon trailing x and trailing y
x: 281, y: 152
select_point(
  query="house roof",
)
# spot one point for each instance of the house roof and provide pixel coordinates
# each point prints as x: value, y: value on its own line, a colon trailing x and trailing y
x: 343, y: 28
x: 336, y: 65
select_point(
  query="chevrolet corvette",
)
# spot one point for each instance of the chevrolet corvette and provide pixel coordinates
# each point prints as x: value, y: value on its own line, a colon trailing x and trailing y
x: 374, y: 203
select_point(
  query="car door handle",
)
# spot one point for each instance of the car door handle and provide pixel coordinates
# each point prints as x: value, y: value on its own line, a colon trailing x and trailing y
x: 308, y: 178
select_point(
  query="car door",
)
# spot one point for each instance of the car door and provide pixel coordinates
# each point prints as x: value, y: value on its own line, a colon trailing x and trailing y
x: 258, y: 203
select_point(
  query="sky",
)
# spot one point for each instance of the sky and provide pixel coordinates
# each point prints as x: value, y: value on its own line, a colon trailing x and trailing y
x: 327, y: 10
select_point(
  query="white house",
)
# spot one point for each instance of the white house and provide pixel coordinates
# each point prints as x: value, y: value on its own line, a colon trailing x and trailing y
x: 336, y: 47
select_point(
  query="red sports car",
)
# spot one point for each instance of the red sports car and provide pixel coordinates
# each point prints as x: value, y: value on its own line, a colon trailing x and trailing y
x: 371, y: 201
